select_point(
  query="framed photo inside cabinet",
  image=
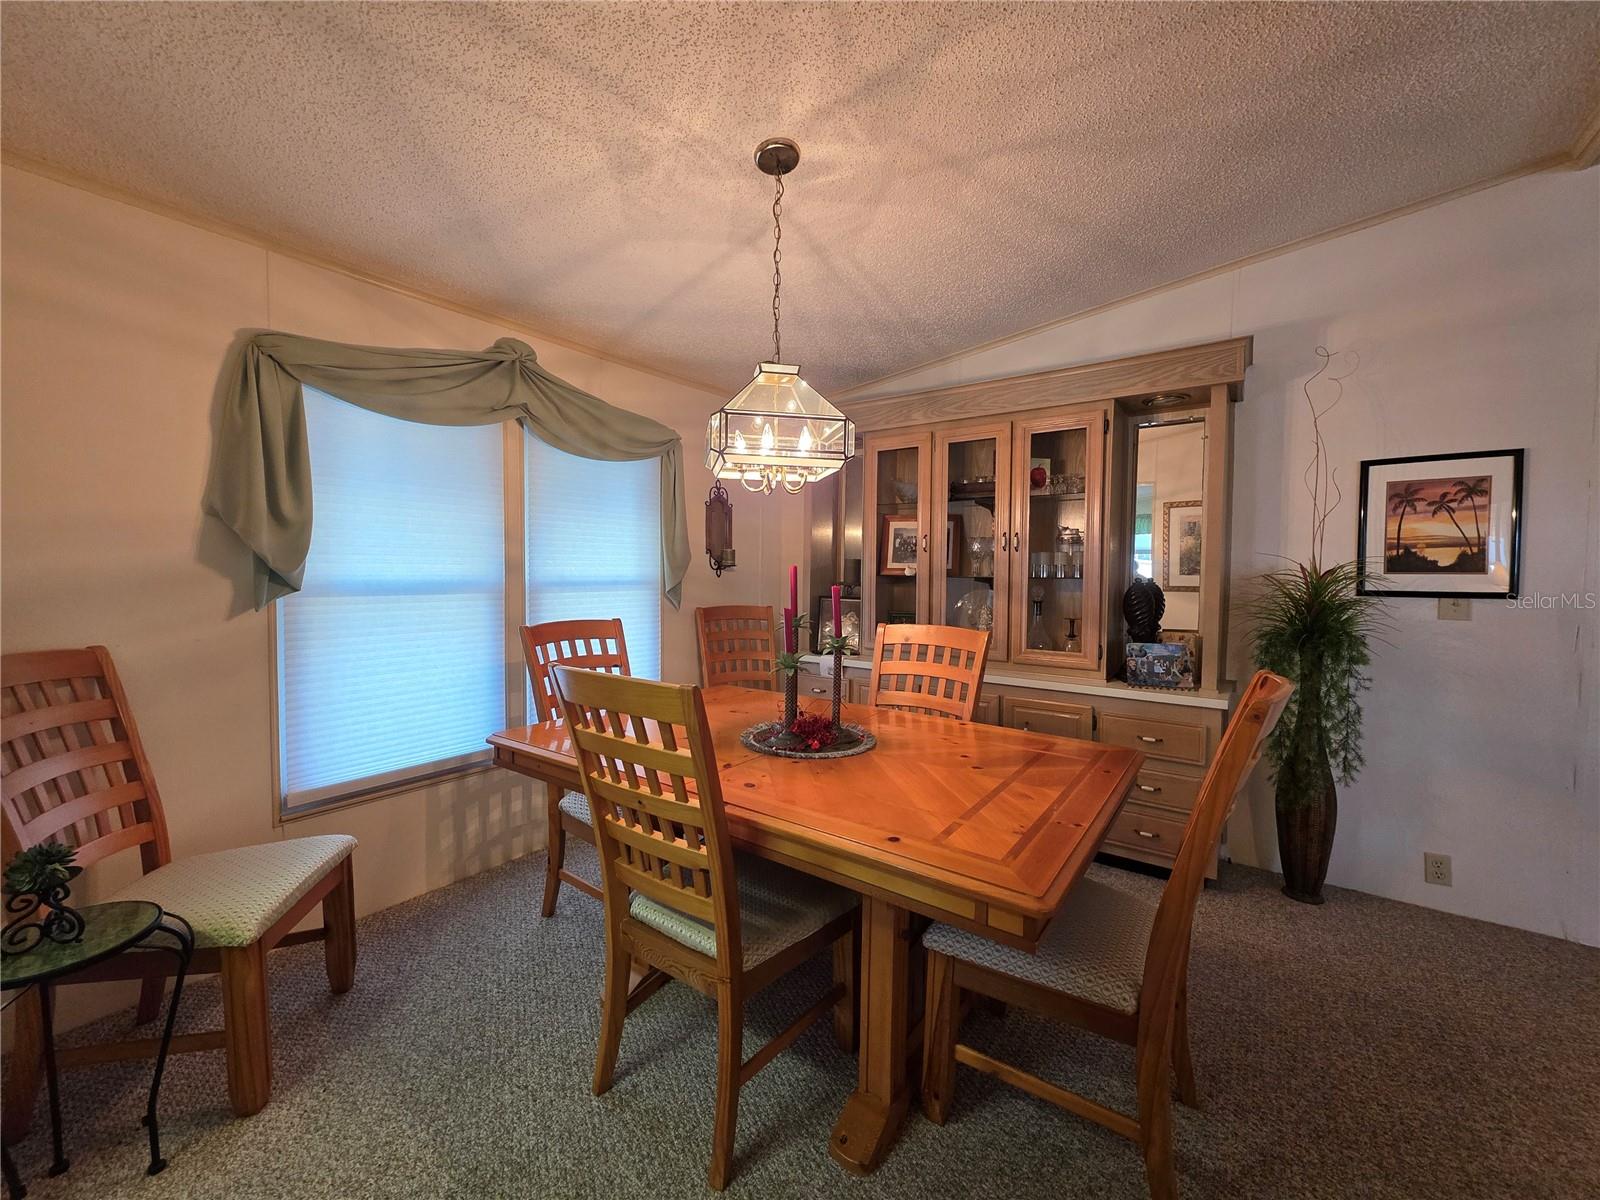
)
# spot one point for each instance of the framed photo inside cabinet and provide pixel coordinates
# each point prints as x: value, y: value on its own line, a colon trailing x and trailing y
x: 1180, y: 545
x: 1441, y: 525
x: 897, y: 546
x: 952, y: 544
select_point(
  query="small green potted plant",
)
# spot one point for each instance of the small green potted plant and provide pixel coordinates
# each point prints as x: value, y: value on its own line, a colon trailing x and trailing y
x: 40, y: 877
x: 1311, y: 625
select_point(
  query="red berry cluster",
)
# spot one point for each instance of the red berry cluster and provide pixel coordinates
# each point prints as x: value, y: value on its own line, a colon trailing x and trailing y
x: 815, y: 730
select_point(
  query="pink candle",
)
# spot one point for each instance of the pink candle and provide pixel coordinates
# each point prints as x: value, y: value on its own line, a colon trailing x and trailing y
x: 794, y: 589
x: 788, y: 630
x: 838, y: 626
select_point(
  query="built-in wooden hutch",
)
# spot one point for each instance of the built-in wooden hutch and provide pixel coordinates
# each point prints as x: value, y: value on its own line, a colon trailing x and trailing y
x: 1028, y: 505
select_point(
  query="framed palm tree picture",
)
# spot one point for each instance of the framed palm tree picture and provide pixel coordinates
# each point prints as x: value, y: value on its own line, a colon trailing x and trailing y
x: 1441, y: 525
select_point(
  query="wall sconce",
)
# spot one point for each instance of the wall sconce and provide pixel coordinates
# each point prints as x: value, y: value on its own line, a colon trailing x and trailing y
x: 719, y: 530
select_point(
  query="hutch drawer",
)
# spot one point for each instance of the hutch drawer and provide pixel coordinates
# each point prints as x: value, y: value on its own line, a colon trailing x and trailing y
x: 1166, y: 785
x: 815, y: 685
x: 1151, y: 832
x: 1181, y: 741
x: 1059, y: 717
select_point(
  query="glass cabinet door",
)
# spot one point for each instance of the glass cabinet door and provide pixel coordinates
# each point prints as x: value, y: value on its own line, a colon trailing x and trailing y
x: 1055, y: 558
x: 971, y: 566
x: 897, y: 522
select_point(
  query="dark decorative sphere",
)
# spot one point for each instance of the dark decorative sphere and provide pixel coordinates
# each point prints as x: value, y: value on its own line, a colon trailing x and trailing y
x: 1142, y: 606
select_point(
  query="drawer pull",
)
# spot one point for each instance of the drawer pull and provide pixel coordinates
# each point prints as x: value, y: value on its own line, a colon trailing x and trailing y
x: 817, y: 691
x: 1145, y: 787
x: 1145, y: 737
x: 1145, y: 833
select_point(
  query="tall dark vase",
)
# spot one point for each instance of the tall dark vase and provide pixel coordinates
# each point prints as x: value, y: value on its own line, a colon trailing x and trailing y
x: 1305, y: 837
x: 1306, y: 799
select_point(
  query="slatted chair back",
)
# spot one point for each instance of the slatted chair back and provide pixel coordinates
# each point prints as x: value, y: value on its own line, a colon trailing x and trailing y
x: 73, y: 766
x: 595, y: 645
x: 1167, y: 956
x: 648, y: 768
x: 737, y: 645
x: 932, y: 669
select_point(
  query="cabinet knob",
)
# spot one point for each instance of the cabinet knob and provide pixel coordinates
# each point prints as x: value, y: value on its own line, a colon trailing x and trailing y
x: 1145, y: 737
x: 1145, y: 787
x: 1145, y: 833
x: 924, y: 543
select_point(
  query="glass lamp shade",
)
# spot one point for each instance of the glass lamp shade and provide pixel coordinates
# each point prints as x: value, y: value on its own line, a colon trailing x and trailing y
x: 778, y: 432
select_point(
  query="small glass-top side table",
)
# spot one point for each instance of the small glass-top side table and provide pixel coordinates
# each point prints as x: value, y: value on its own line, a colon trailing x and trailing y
x: 108, y: 929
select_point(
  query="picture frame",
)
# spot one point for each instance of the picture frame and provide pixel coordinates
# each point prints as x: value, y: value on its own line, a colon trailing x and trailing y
x: 1182, y: 533
x: 897, y: 545
x: 1441, y: 525
x: 952, y: 544
x: 822, y: 621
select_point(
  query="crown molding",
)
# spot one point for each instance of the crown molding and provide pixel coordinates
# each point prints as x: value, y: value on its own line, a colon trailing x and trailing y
x: 1585, y: 150
x: 285, y: 250
x: 1183, y: 368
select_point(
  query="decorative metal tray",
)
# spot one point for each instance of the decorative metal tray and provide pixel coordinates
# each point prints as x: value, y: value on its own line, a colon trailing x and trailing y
x: 769, y: 738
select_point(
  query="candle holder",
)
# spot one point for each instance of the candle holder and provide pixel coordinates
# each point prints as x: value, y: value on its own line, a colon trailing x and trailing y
x: 806, y: 734
x: 838, y: 647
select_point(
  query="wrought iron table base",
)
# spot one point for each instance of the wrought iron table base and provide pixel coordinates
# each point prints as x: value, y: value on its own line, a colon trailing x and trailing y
x: 182, y: 949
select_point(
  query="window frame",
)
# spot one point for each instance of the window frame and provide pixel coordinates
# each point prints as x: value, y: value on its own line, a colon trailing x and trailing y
x: 426, y: 774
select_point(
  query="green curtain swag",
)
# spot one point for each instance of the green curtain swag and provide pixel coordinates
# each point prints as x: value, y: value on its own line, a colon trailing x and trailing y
x: 260, y: 484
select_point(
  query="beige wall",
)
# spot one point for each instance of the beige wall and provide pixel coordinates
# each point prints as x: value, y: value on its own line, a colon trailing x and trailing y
x: 116, y: 324
x: 1478, y: 325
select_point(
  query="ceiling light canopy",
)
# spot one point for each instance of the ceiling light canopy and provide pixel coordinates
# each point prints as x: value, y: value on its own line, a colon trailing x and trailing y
x: 778, y: 431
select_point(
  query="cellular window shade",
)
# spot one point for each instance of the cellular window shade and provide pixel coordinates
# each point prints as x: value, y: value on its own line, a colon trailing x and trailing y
x: 391, y: 657
x: 594, y: 545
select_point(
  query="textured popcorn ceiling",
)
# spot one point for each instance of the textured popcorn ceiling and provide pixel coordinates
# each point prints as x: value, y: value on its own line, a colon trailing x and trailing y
x: 969, y: 171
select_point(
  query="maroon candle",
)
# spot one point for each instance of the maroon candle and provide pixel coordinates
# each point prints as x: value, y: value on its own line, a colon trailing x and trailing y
x: 838, y: 625
x: 794, y: 589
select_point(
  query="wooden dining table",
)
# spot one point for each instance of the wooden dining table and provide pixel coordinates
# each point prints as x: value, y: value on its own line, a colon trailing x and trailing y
x: 979, y: 826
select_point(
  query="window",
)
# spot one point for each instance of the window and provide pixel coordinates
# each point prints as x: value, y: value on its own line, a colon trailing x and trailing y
x: 1143, y: 540
x: 391, y: 660
x: 594, y: 545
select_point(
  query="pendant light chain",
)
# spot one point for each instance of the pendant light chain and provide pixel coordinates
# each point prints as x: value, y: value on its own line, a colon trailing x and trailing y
x: 777, y: 269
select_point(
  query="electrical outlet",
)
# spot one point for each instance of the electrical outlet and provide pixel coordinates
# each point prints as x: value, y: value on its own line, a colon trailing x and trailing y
x: 1436, y: 868
x: 1455, y: 608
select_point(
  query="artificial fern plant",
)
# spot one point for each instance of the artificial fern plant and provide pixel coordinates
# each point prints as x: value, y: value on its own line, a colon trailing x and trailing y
x: 1311, y: 625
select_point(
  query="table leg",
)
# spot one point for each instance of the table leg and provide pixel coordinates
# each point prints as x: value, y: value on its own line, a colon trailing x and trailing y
x: 51, y: 1080
x: 871, y: 1118
x: 184, y: 950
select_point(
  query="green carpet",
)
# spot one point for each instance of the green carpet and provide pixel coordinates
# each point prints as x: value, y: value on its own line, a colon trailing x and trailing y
x: 1362, y: 1049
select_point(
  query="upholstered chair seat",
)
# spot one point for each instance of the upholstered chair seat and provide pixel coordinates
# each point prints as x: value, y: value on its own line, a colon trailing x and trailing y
x: 777, y: 908
x: 232, y: 897
x: 576, y: 806
x: 1094, y: 948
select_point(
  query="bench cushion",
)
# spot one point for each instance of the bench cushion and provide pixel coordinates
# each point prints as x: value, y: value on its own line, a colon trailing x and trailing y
x: 1093, y: 948
x: 232, y: 897
x: 777, y: 908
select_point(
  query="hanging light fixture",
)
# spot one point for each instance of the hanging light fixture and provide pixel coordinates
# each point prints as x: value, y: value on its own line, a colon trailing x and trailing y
x: 779, y: 431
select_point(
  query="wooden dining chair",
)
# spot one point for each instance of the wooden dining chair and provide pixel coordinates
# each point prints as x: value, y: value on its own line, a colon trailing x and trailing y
x: 738, y: 645
x: 1109, y: 963
x: 676, y: 900
x: 597, y: 645
x: 932, y: 669
x: 76, y: 772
